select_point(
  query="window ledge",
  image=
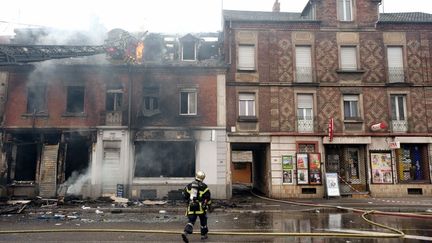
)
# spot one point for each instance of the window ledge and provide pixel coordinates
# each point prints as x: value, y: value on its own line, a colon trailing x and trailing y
x: 246, y: 71
x: 399, y: 84
x: 80, y: 114
x: 189, y: 115
x: 247, y: 119
x: 350, y: 71
x: 306, y: 84
x: 42, y: 115
x: 358, y: 120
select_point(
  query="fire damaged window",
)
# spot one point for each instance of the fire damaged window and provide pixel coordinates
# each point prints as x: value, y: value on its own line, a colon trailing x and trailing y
x: 36, y: 99
x: 114, y: 99
x: 24, y: 164
x: 165, y: 159
x: 150, y: 101
x: 188, y: 50
x: 188, y: 102
x: 75, y: 99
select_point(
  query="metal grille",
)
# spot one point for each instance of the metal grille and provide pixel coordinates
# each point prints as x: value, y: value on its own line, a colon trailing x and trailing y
x: 412, y: 163
x: 349, y: 163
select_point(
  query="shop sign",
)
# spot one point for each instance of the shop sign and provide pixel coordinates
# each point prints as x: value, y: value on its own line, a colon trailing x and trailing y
x: 394, y: 145
x: 332, y: 185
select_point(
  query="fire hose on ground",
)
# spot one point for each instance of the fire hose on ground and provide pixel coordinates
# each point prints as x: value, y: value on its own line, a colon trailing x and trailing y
x: 396, y: 233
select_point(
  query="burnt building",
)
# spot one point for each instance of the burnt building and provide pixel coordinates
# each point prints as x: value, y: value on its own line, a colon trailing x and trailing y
x: 338, y: 89
x: 137, y: 122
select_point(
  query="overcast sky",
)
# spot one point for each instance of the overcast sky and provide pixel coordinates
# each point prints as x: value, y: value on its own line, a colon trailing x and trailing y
x: 172, y: 16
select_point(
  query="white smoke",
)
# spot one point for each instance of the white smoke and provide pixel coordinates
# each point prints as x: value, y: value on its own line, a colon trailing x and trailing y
x: 76, y: 182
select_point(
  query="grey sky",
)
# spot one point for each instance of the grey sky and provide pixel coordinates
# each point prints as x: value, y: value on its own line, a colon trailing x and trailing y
x: 175, y: 16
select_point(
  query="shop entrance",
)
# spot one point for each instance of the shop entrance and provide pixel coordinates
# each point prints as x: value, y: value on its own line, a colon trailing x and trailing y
x: 349, y: 162
x: 250, y: 166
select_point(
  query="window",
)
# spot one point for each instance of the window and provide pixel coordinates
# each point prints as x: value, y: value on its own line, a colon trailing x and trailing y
x: 395, y: 64
x: 36, y: 101
x: 75, y: 99
x: 351, y: 109
x: 188, y: 102
x: 150, y: 101
x: 348, y: 58
x: 246, y: 58
x: 345, y: 10
x: 246, y: 104
x: 398, y: 113
x: 412, y: 163
x: 303, y: 64
x: 305, y: 113
x: 188, y: 48
x: 114, y: 99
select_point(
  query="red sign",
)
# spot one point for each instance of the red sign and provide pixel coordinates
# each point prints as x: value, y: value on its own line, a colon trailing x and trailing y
x: 331, y: 129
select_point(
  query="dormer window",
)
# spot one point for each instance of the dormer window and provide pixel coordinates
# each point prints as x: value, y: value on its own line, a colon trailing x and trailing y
x: 188, y: 48
x: 345, y: 8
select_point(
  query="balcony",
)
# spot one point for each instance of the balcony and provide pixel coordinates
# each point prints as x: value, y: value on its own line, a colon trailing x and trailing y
x: 399, y: 126
x: 396, y: 75
x: 304, y: 75
x: 113, y: 118
x: 305, y: 125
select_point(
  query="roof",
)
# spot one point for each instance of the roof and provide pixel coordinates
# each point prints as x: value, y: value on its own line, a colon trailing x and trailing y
x: 411, y: 17
x: 235, y: 15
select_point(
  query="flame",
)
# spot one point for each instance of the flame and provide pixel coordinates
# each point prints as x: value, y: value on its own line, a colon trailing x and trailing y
x: 139, y: 51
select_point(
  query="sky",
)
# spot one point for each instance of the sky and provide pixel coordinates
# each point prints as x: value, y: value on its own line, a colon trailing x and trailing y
x: 166, y: 16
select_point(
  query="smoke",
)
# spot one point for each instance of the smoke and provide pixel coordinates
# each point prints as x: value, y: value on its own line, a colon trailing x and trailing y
x: 76, y: 182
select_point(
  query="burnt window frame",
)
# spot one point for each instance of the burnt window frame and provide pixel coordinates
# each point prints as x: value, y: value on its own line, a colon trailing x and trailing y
x: 41, y: 98
x: 68, y: 107
x: 190, y: 50
x: 150, y: 95
x: 117, y: 99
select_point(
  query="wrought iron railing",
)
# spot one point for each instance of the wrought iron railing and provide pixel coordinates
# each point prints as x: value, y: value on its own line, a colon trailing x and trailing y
x: 396, y: 75
x: 305, y: 125
x: 304, y: 74
x: 399, y: 126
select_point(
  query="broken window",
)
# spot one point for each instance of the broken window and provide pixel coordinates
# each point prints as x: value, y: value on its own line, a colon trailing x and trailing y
x: 151, y: 101
x: 188, y: 50
x: 26, y: 157
x: 114, y: 99
x: 75, y: 99
x: 188, y: 102
x: 165, y: 159
x: 36, y: 101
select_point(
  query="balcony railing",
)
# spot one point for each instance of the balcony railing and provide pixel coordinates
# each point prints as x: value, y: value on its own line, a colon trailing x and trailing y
x: 305, y: 125
x: 399, y: 126
x: 304, y: 74
x: 113, y: 118
x: 396, y: 75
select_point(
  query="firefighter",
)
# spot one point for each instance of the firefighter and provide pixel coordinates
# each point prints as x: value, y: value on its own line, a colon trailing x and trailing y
x: 198, y: 199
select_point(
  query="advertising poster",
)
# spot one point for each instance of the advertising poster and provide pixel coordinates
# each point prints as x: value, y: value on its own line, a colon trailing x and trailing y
x: 287, y: 169
x: 302, y: 169
x: 381, y: 168
x: 332, y: 185
x: 315, y: 168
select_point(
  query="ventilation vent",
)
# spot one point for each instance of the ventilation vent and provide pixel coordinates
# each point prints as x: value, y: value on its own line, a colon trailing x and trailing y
x: 309, y: 190
x: 148, y: 194
x: 415, y: 191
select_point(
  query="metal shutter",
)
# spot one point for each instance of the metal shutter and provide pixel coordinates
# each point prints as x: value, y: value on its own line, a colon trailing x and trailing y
x: 349, y: 58
x: 246, y: 59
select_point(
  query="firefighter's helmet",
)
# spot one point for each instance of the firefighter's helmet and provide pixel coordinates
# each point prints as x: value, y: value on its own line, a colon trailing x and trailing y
x: 199, y: 176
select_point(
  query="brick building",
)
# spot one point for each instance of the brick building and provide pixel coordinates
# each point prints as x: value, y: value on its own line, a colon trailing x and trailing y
x: 87, y: 125
x: 337, y: 88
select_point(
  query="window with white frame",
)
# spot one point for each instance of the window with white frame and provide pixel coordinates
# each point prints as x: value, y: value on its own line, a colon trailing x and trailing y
x: 351, y: 107
x: 348, y: 58
x: 150, y: 100
x: 305, y: 112
x: 398, y: 113
x: 395, y: 64
x: 188, y: 102
x: 246, y: 104
x: 303, y: 64
x: 246, y: 57
x: 345, y: 8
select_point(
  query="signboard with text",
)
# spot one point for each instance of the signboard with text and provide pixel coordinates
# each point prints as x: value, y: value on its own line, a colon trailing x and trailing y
x: 332, y: 184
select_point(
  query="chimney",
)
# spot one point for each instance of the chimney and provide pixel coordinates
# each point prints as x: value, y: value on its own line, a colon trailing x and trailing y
x: 276, y: 6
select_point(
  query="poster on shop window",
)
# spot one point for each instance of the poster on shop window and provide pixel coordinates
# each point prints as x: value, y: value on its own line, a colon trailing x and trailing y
x: 287, y: 169
x: 314, y: 168
x: 381, y: 166
x: 302, y: 169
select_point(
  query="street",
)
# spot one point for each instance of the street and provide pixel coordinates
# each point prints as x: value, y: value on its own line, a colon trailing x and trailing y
x: 313, y: 221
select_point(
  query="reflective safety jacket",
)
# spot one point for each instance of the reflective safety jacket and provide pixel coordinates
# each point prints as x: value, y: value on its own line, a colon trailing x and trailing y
x: 197, y: 195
